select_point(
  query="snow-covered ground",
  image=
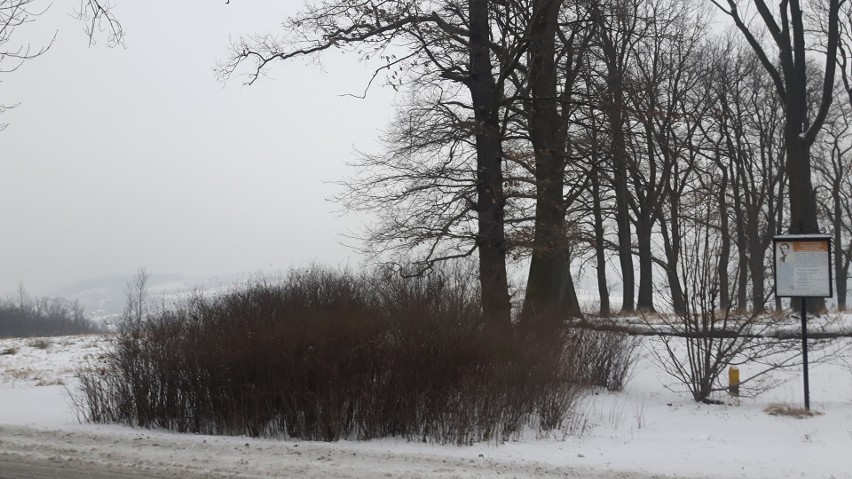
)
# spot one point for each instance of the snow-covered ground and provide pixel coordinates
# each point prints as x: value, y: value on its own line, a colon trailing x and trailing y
x: 646, y: 431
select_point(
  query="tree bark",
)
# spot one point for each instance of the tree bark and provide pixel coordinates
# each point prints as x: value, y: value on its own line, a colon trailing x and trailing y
x: 672, y: 248
x: 550, y: 291
x: 600, y: 250
x: 644, y: 230
x: 496, y: 308
x: 840, y: 264
x: 725, y: 248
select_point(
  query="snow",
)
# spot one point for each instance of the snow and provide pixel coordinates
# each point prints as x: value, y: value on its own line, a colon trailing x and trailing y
x: 652, y: 429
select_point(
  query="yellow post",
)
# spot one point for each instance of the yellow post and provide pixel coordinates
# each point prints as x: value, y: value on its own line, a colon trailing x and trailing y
x: 734, y: 381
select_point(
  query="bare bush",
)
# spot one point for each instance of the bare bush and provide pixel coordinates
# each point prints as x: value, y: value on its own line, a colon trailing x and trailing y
x: 603, y: 358
x: 327, y: 355
x: 705, y: 337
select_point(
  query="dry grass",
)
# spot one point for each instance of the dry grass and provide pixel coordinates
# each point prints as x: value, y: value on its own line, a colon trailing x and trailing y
x: 20, y: 374
x: 39, y: 343
x: 50, y: 382
x: 9, y: 351
x: 788, y: 410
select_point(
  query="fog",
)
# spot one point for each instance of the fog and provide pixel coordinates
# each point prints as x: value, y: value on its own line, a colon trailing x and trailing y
x: 138, y: 156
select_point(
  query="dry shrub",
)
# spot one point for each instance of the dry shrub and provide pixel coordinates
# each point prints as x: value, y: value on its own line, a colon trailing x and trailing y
x: 603, y: 358
x: 39, y: 343
x: 788, y: 410
x: 327, y: 355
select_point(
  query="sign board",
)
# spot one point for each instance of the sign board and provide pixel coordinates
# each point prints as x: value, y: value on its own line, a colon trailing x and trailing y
x: 802, y: 266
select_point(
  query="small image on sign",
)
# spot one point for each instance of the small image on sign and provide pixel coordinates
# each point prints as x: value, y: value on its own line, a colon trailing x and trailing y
x: 802, y: 266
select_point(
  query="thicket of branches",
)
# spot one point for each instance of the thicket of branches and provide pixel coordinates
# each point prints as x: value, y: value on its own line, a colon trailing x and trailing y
x: 326, y: 355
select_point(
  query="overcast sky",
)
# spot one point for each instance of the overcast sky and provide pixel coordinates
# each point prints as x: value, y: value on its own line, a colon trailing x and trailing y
x: 138, y: 156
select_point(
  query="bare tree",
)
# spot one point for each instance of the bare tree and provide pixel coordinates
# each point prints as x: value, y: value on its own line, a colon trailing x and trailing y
x: 702, y: 341
x: 135, y: 308
x: 548, y: 108
x: 788, y: 32
x: 749, y: 124
x: 833, y: 163
x: 619, y: 28
x: 452, y: 43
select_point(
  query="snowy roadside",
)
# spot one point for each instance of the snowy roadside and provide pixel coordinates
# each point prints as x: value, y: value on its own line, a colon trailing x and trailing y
x: 180, y: 455
x: 646, y: 431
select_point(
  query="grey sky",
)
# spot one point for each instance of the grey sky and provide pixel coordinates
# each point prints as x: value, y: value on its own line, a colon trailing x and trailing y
x: 119, y: 158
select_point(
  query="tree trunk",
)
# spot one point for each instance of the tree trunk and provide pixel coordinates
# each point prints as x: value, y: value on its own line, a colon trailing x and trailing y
x: 742, y: 246
x: 618, y: 150
x: 839, y: 264
x: 671, y: 244
x: 600, y: 250
x: 622, y: 208
x: 644, y: 229
x: 756, y: 257
x: 549, y: 294
x: 491, y: 242
x: 779, y: 221
x: 672, y: 260
x: 725, y: 249
x: 758, y: 279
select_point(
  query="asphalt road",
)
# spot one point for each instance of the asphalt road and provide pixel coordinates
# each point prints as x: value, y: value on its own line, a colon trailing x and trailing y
x: 18, y: 467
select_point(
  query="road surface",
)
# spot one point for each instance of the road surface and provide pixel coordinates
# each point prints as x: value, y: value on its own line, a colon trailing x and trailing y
x: 111, y: 452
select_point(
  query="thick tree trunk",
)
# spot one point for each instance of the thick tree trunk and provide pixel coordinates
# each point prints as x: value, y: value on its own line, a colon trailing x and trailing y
x: 758, y: 280
x: 644, y: 230
x: 672, y: 260
x: 550, y: 291
x: 491, y: 242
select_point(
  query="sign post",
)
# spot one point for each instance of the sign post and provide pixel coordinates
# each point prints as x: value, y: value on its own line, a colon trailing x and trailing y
x: 803, y: 270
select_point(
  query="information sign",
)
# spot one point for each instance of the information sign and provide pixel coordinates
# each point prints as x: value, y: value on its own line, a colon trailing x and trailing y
x: 803, y: 270
x: 803, y: 266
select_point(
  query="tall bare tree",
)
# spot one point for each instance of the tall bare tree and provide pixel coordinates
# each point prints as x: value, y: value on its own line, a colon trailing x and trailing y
x: 833, y: 163
x: 451, y: 42
x: 548, y: 108
x: 788, y: 32
x: 619, y: 29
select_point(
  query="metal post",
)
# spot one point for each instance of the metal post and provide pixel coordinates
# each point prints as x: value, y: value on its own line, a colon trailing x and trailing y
x: 805, y: 354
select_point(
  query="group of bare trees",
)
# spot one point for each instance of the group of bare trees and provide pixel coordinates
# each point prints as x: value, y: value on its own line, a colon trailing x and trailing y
x: 595, y: 132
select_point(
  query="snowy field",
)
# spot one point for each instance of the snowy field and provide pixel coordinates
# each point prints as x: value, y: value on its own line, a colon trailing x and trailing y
x: 652, y: 429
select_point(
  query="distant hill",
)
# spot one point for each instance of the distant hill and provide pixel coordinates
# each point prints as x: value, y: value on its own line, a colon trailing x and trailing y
x: 104, y: 297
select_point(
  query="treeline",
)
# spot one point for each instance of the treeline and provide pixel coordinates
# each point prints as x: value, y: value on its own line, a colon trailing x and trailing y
x: 588, y: 132
x: 26, y: 317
